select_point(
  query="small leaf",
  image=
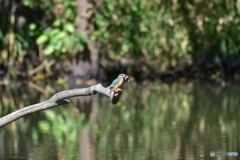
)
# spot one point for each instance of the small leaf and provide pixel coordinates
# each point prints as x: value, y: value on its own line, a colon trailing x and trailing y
x: 64, y: 50
x: 68, y: 12
x: 84, y: 38
x: 57, y: 23
x: 69, y: 27
x: 125, y: 47
x: 95, y: 34
x: 58, y: 45
x: 110, y: 6
x: 80, y: 47
x: 117, y: 57
x: 143, y: 28
x: 54, y: 31
x: 32, y: 26
x: 49, y: 50
x: 90, y: 11
x: 134, y: 8
x: 61, y: 35
x: 42, y: 39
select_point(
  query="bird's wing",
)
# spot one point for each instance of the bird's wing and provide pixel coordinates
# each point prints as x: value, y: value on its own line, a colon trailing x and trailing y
x: 117, y: 83
x: 114, y: 83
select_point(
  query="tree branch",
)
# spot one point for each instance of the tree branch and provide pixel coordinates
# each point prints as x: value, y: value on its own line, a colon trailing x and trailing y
x: 60, y: 99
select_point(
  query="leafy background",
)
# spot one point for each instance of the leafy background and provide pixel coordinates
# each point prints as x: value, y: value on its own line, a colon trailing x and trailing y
x: 198, y: 38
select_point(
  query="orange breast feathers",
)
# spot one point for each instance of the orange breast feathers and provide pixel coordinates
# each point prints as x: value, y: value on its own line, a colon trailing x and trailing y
x: 118, y: 85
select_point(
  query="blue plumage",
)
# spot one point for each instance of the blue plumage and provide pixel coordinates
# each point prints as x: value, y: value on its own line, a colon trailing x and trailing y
x: 121, y: 77
x: 114, y: 83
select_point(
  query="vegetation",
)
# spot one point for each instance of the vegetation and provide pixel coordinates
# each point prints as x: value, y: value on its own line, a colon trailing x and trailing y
x: 196, y: 37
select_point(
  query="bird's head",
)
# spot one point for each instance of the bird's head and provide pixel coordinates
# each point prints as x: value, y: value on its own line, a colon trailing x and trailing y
x: 124, y: 76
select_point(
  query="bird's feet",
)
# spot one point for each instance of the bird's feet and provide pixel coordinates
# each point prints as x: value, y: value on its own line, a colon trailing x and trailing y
x: 117, y: 92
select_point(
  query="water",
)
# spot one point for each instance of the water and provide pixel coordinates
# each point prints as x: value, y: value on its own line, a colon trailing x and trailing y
x: 155, y: 121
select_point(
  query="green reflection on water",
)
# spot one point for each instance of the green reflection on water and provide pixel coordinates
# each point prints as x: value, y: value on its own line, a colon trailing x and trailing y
x: 157, y: 121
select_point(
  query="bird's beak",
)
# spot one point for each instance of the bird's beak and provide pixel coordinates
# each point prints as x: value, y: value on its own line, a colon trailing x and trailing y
x: 127, y: 77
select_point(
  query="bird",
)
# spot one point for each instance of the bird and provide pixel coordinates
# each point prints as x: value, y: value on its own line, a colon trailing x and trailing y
x: 121, y: 80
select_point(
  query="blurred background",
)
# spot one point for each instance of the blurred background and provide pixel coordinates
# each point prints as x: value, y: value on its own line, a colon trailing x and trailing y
x: 183, y: 98
x: 97, y: 39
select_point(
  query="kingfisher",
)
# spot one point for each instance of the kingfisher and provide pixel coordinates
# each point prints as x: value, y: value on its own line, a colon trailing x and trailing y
x: 121, y: 80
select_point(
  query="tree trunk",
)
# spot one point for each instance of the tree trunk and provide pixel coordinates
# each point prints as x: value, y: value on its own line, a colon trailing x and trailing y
x: 85, y: 64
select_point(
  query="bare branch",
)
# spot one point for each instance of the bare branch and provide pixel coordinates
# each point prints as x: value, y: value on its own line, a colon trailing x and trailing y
x: 60, y: 99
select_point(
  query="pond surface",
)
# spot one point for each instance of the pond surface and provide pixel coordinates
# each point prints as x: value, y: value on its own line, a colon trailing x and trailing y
x: 154, y: 121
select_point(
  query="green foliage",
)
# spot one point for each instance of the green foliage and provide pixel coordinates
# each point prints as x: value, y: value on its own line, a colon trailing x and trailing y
x: 54, y: 34
x: 141, y: 28
x: 163, y: 34
x: 168, y: 33
x: 61, y: 38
